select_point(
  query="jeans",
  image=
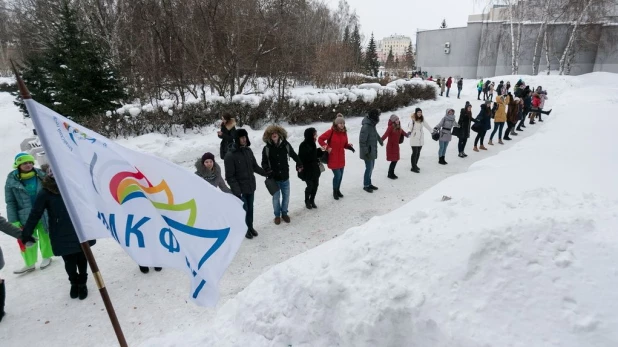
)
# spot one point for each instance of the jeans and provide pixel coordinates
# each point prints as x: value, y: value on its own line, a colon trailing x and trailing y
x: 461, y: 146
x: 281, y: 199
x: 76, y: 267
x: 498, y: 126
x: 369, y: 164
x: 458, y: 92
x: 337, y: 178
x: 447, y: 91
x: 247, y: 200
x: 479, y: 96
x: 416, y: 154
x: 480, y: 136
x: 442, y: 150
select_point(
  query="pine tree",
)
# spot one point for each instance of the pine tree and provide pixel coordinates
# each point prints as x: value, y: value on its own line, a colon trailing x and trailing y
x: 397, y: 63
x: 443, y: 25
x: 357, y: 46
x: 72, y: 75
x: 410, y: 63
x: 390, y: 59
x: 371, y: 58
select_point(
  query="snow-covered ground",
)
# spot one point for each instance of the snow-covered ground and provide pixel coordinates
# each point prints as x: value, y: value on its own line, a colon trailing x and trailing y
x: 523, y: 254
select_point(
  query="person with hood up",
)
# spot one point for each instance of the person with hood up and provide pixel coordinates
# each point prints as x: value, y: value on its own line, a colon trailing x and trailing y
x: 310, y: 155
x: 15, y: 232
x: 395, y: 136
x: 459, y: 87
x: 499, y: 119
x: 64, y: 240
x: 275, y: 157
x: 417, y: 137
x: 484, y: 121
x: 20, y: 191
x: 444, y: 128
x: 464, y: 122
x: 368, y: 141
x: 210, y: 171
x: 335, y: 141
x: 240, y: 169
x: 449, y: 83
x: 227, y: 134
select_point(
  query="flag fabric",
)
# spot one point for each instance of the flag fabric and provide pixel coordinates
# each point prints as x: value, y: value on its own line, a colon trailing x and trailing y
x: 161, y: 214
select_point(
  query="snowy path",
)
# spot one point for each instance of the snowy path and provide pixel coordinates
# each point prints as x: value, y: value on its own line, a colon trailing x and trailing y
x: 155, y: 304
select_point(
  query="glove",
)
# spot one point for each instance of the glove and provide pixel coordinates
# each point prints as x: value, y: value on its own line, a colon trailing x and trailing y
x: 17, y: 224
x: 29, y: 241
x: 269, y: 172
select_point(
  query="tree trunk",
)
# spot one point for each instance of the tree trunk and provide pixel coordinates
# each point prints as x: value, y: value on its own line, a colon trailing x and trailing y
x: 569, y: 46
x: 546, y: 43
x: 536, y: 62
x: 513, y: 68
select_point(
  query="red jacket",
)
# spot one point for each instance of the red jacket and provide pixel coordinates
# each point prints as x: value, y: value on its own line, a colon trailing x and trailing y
x: 338, y: 142
x: 536, y: 101
x: 392, y: 146
x: 449, y: 82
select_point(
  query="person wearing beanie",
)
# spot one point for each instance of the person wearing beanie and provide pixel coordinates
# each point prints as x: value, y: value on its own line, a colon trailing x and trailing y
x: 310, y: 155
x: 334, y: 142
x: 417, y: 137
x: 369, y: 140
x: 210, y: 171
x: 64, y: 240
x: 395, y: 136
x: 465, y: 121
x: 483, y: 124
x: 444, y: 128
x: 275, y: 159
x: 12, y: 231
x: 21, y: 189
x: 240, y: 170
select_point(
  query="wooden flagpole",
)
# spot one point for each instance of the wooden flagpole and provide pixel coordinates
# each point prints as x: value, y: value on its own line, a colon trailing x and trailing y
x: 109, y: 307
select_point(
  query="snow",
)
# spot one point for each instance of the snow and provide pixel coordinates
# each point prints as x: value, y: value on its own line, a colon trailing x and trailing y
x: 522, y: 255
x: 7, y: 80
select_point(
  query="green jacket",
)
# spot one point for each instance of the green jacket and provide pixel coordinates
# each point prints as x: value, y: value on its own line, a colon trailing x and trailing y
x: 18, y: 203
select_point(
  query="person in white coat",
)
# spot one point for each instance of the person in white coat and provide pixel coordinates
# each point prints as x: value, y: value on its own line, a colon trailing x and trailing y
x: 417, y: 136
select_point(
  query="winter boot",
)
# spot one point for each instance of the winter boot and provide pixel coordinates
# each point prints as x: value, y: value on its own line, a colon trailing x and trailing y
x: 144, y: 269
x: 253, y: 232
x: 500, y: 142
x: 248, y: 234
x: 507, y: 138
x: 73, y: 292
x: 368, y: 190
x: 312, y: 202
x: 464, y: 154
x: 442, y: 161
x: 475, y: 149
x: 339, y: 193
x: 335, y: 195
x: 307, y: 203
x: 483, y: 148
x: 491, y: 143
x: 83, y: 291
x: 286, y: 218
x: 373, y: 187
x: 158, y: 269
x: 460, y: 155
x: 532, y: 122
x: 2, y: 299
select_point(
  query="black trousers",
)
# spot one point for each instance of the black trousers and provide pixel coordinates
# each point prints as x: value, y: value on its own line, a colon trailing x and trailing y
x: 312, y: 189
x: 76, y: 267
x: 391, y: 167
x: 416, y: 154
x: 509, y: 128
x: 462, y: 144
x: 480, y: 136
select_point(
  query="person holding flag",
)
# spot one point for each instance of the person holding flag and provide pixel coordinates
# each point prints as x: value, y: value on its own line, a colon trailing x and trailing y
x: 20, y: 191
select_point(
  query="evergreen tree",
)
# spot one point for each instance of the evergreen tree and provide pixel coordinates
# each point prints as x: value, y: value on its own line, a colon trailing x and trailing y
x: 397, y: 66
x: 371, y: 58
x: 443, y: 25
x: 410, y: 63
x: 357, y: 46
x: 390, y: 59
x: 72, y: 74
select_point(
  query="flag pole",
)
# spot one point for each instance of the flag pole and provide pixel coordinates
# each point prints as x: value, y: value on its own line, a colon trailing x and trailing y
x: 109, y: 307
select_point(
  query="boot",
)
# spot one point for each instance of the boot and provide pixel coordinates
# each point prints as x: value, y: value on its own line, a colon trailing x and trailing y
x: 73, y: 292
x: 460, y: 155
x: 464, y: 154
x: 307, y: 203
x: 249, y: 235
x: 491, y: 143
x: 532, y: 122
x: 158, y: 269
x: 253, y: 232
x: 312, y: 202
x: 335, y: 195
x: 339, y: 193
x: 483, y: 148
x: 442, y: 161
x: 144, y: 269
x: 507, y: 138
x: 83, y: 291
x: 2, y: 299
x: 475, y: 149
x: 500, y: 142
x: 415, y: 169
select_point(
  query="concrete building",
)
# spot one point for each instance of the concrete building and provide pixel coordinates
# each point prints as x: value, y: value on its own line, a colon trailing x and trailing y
x: 398, y: 43
x: 483, y: 47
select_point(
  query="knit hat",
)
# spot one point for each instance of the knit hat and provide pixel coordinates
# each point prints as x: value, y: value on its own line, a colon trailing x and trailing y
x: 394, y: 118
x: 207, y: 156
x: 339, y: 120
x: 468, y: 104
x: 374, y: 115
x: 22, y: 158
x: 417, y: 109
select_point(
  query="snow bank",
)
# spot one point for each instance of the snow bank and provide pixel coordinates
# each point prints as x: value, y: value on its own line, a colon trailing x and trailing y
x: 524, y: 254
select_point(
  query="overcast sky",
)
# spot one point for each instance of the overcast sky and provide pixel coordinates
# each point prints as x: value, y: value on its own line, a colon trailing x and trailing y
x: 388, y: 17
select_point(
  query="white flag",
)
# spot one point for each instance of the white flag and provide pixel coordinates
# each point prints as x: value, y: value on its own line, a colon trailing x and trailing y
x: 161, y: 214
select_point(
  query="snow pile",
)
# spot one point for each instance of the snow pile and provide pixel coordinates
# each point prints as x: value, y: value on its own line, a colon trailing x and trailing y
x: 524, y: 254
x: 249, y: 100
x: 7, y: 80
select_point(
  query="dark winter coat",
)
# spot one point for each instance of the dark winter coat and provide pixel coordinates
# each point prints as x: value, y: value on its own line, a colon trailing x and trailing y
x: 211, y: 176
x: 500, y: 89
x: 392, y: 145
x: 527, y: 104
x: 241, y: 166
x: 62, y: 235
x: 18, y: 202
x: 484, y: 117
x: 512, y: 114
x: 465, y: 122
x: 369, y: 139
x: 276, y: 156
x: 309, y: 155
x: 460, y: 84
x: 337, y: 141
x: 228, y: 135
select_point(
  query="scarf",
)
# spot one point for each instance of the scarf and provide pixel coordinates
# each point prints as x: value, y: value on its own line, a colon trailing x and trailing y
x: 27, y: 175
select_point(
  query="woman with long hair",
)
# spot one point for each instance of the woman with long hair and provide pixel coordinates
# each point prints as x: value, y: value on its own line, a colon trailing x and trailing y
x: 444, y: 128
x: 335, y: 142
x: 417, y: 137
x: 394, y: 134
x: 310, y: 155
x: 227, y: 134
x: 464, y: 121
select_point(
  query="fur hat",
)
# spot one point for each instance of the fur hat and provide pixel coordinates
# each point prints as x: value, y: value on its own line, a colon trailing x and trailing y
x: 242, y: 133
x: 271, y: 129
x: 22, y: 158
x: 207, y: 156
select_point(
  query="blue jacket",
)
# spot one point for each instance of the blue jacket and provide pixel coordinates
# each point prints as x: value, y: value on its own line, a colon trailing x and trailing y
x: 18, y: 202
